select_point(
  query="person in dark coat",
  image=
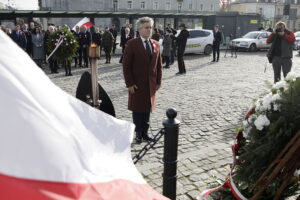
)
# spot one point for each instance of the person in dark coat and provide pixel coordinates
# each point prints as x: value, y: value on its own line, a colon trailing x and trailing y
x: 216, y: 43
x: 84, y: 43
x: 107, y: 42
x: 281, y: 52
x: 167, y: 46
x: 28, y: 38
x: 124, y: 40
x: 142, y: 74
x: 97, y: 37
x: 114, y: 32
x: 155, y: 35
x: 181, y: 43
x: 76, y: 34
x: 19, y: 37
x: 53, y: 64
x: 174, y: 45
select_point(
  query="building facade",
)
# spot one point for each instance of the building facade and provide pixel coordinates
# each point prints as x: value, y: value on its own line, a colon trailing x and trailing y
x: 271, y: 11
x: 145, y: 6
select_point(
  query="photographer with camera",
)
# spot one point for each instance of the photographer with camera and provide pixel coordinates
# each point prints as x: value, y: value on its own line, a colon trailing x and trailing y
x: 281, y: 52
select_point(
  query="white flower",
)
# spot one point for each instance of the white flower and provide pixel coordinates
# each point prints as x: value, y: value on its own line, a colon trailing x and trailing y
x: 246, y: 131
x: 245, y: 123
x: 276, y: 107
x: 65, y: 39
x: 266, y: 104
x: 276, y: 97
x: 291, y: 76
x: 261, y: 121
x: 280, y: 84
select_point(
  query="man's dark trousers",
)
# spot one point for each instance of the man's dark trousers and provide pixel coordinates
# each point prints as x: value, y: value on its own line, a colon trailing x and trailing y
x: 216, y: 49
x: 181, y: 65
x: 141, y: 122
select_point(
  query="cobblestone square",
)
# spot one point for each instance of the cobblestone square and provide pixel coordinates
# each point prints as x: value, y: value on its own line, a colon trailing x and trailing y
x: 211, y: 100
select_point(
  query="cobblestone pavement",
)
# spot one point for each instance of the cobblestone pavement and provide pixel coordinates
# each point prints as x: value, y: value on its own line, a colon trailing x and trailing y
x: 211, y: 99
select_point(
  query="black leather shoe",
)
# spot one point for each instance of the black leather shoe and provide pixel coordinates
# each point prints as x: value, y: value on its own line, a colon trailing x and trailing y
x: 213, y: 61
x: 179, y: 73
x: 146, y: 137
x: 138, y: 140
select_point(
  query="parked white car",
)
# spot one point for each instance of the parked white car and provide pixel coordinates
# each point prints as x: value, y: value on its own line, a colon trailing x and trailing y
x: 199, y: 41
x: 252, y: 41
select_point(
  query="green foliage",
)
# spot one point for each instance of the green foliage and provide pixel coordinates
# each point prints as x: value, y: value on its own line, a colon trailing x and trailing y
x: 263, y: 146
x: 68, y: 49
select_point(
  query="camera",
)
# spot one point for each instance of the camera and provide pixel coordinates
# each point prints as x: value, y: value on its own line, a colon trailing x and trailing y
x: 278, y: 30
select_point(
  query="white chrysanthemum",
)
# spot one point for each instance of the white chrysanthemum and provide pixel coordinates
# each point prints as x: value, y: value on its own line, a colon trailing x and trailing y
x: 276, y: 97
x: 258, y: 106
x: 246, y: 131
x: 291, y: 76
x: 266, y: 103
x: 261, y: 122
x: 276, y: 107
x: 280, y: 84
x: 245, y: 123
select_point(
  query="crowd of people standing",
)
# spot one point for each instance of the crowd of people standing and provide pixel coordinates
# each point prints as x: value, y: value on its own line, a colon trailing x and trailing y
x: 33, y: 39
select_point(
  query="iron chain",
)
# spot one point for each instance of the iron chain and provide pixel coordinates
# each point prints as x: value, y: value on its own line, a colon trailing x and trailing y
x: 148, y: 146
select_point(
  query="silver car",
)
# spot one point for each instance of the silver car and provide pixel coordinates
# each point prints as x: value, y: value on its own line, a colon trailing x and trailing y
x: 252, y: 41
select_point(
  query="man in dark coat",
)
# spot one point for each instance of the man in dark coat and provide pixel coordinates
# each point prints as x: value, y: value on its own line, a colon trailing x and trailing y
x: 142, y: 74
x: 124, y: 40
x: 216, y: 43
x: 114, y: 32
x: 84, y: 43
x: 19, y: 37
x: 28, y: 38
x: 181, y: 43
x: 76, y: 34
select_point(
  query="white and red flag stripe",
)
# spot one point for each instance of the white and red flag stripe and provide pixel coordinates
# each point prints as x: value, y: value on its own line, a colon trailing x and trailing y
x: 84, y: 21
x: 53, y: 146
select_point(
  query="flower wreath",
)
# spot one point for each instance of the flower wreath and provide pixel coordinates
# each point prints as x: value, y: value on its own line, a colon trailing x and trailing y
x: 67, y: 49
x: 268, y: 127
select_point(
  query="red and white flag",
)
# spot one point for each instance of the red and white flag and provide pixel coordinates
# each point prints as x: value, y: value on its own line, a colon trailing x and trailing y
x: 53, y: 146
x: 84, y: 21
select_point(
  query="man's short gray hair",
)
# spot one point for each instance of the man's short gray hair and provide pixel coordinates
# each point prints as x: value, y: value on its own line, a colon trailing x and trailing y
x: 143, y: 20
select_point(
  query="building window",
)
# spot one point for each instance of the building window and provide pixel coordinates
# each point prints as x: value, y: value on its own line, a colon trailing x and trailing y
x: 155, y: 5
x: 278, y: 11
x: 143, y: 6
x: 260, y: 11
x: 179, y: 6
x: 190, y: 6
x: 129, y: 4
x: 201, y: 7
x: 116, y: 5
x: 168, y: 5
x: 211, y: 7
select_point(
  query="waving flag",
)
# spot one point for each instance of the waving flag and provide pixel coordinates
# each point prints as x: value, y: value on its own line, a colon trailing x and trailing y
x: 84, y: 21
x: 53, y: 146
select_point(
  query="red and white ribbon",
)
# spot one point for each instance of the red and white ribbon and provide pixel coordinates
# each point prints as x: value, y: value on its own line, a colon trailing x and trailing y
x: 229, y: 183
x: 59, y: 42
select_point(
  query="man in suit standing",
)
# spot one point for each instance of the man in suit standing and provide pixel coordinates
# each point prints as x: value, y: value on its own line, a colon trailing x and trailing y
x: 181, y: 43
x: 142, y: 74
x: 216, y: 43
x: 84, y: 43
x: 19, y: 37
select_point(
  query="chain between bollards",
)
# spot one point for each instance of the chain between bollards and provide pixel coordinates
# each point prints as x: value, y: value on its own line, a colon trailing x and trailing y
x: 171, y: 126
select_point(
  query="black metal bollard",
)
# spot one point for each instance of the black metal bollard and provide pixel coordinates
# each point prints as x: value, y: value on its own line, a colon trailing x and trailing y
x: 171, y: 126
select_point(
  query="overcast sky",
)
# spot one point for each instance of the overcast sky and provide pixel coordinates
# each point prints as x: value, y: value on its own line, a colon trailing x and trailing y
x: 23, y: 4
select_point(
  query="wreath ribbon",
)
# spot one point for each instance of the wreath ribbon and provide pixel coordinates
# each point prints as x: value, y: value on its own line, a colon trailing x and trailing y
x: 229, y: 183
x: 59, y: 42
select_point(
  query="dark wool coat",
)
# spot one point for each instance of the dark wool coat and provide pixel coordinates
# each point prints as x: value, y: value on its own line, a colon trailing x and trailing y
x: 146, y: 74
